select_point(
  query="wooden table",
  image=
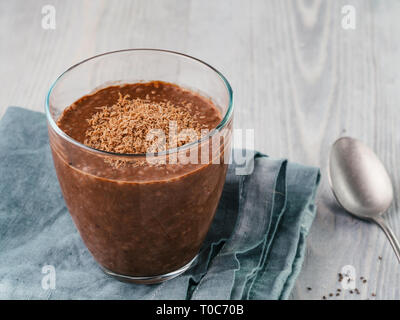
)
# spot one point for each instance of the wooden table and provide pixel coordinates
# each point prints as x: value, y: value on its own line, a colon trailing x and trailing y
x: 300, y: 79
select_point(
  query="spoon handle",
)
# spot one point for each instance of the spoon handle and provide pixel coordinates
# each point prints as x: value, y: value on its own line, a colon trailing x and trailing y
x: 390, y: 235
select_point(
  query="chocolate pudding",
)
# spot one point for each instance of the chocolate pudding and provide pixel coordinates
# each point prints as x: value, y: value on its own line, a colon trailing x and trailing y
x: 141, y: 218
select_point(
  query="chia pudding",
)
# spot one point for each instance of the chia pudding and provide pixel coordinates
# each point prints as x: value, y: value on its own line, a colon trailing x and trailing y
x: 140, y: 218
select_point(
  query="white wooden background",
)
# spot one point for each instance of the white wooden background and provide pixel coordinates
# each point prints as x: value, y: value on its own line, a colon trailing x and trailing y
x: 300, y: 80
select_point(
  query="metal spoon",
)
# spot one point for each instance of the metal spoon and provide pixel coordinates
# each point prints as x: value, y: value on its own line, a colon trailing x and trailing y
x: 361, y: 183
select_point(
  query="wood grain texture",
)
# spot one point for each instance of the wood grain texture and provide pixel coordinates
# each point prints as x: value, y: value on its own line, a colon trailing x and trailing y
x: 300, y: 81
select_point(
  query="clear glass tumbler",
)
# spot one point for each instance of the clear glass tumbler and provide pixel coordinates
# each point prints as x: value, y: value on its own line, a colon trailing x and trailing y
x: 142, y: 223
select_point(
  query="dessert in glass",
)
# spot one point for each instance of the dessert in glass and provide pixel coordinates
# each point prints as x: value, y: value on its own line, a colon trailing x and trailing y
x: 140, y: 140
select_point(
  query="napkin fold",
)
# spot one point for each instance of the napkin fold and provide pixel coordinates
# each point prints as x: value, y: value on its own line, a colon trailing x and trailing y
x: 254, y: 249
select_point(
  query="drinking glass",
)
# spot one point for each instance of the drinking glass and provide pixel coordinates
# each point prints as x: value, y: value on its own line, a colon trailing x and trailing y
x: 144, y: 221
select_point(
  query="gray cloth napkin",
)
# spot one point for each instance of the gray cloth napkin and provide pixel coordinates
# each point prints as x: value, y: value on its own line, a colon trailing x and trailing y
x: 254, y: 249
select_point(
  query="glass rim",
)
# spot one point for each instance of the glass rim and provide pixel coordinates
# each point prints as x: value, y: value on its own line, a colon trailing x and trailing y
x: 225, y: 119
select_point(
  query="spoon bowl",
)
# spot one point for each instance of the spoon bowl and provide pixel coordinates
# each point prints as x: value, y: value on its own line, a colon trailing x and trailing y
x: 360, y: 182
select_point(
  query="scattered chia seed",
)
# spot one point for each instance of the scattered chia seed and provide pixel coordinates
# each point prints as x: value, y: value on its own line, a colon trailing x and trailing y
x: 309, y: 288
x: 347, y: 277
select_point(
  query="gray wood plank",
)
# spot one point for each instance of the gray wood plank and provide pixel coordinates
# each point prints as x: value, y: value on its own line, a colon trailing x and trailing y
x: 300, y: 81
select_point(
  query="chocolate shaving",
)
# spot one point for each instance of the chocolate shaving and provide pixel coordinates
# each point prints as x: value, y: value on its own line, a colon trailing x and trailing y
x: 124, y: 127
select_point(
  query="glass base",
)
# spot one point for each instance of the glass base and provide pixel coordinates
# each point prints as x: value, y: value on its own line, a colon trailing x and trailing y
x: 151, y: 279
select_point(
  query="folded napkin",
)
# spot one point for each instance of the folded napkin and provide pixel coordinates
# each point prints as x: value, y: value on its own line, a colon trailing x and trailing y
x: 254, y: 249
